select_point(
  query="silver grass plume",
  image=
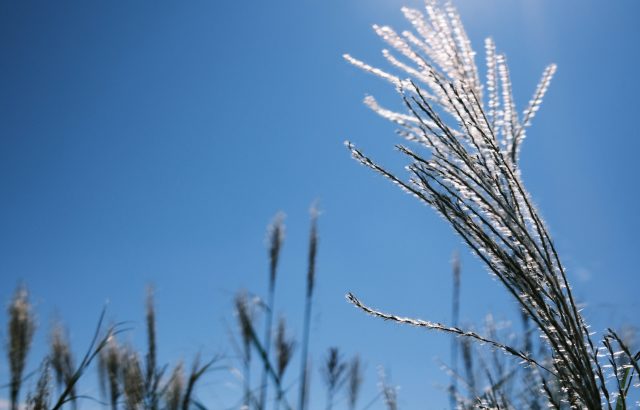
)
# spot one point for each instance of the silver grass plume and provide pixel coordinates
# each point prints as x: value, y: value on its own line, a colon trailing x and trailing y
x: 40, y: 399
x: 333, y: 372
x: 285, y: 345
x: 275, y: 237
x: 303, y: 396
x: 175, y: 388
x: 110, y: 364
x: 133, y: 381
x: 22, y: 326
x: 245, y: 315
x: 61, y: 359
x: 152, y: 374
x: 471, y: 178
x: 355, y: 378
x: 389, y: 392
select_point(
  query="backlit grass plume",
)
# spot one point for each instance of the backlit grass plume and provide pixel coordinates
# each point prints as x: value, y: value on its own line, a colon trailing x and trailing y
x: 354, y: 380
x: 110, y: 365
x: 467, y: 139
x: 21, y: 327
x: 245, y: 316
x: 275, y: 238
x: 40, y: 399
x: 152, y: 373
x: 61, y: 360
x: 175, y: 388
x: 303, y: 397
x: 133, y: 381
x: 334, y: 372
x: 284, y: 345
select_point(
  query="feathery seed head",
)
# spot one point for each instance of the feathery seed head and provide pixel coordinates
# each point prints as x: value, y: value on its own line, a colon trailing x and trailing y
x: 275, y: 237
x: 471, y: 177
x: 175, y: 388
x: 22, y: 326
x: 132, y: 379
x: 313, y: 250
x: 61, y: 357
x: 285, y: 346
x: 355, y: 381
x: 41, y: 398
x: 333, y: 369
x: 245, y: 315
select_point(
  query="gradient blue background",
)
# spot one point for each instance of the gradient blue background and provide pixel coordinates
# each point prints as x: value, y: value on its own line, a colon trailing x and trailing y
x: 152, y: 142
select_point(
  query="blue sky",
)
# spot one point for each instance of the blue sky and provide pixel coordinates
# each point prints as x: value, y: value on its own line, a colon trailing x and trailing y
x: 152, y: 142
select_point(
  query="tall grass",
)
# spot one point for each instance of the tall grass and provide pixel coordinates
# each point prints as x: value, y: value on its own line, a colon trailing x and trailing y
x: 130, y: 379
x: 465, y: 166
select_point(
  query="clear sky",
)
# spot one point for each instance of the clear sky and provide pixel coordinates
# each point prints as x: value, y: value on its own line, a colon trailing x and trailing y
x: 152, y: 142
